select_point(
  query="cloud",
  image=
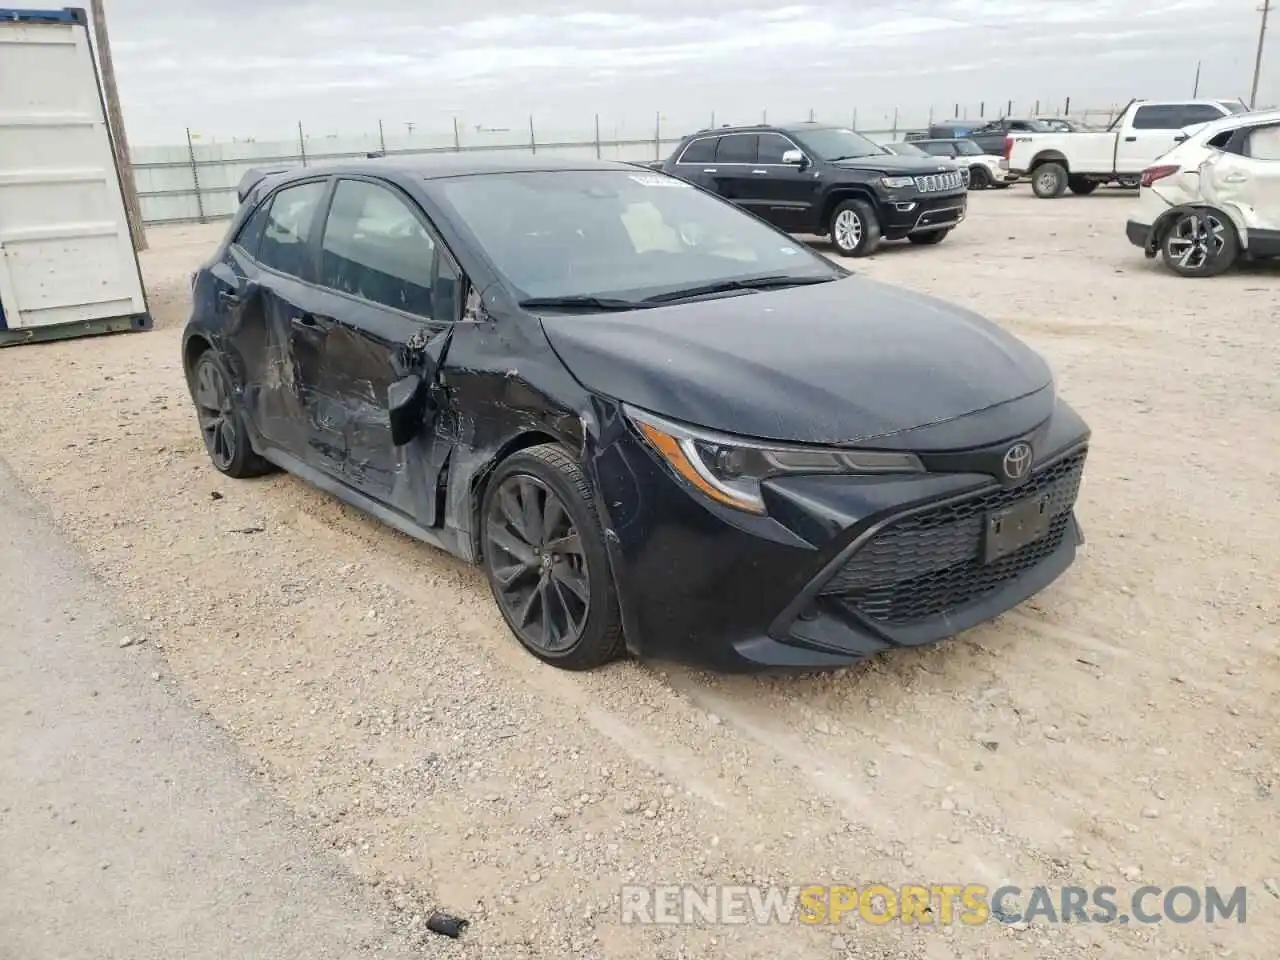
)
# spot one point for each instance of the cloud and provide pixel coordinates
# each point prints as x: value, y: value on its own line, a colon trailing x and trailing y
x: 238, y: 67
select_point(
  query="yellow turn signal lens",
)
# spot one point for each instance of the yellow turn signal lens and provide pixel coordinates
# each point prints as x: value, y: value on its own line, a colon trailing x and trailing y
x: 673, y: 452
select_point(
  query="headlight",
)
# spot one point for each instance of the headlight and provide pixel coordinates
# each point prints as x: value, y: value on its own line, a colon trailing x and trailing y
x: 894, y: 183
x: 730, y: 469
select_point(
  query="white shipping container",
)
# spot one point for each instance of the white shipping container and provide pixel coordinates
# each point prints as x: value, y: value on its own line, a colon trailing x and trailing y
x: 67, y: 263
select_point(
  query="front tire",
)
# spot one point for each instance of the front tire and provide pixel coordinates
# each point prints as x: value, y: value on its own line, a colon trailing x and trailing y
x: 1200, y: 244
x: 1049, y: 181
x: 221, y: 424
x: 930, y: 238
x: 854, y: 229
x: 979, y: 178
x: 544, y: 554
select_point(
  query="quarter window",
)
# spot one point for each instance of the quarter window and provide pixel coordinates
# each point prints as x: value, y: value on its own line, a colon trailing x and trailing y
x: 376, y: 248
x: 287, y: 229
x: 772, y: 146
x: 738, y: 148
x: 699, y: 151
x: 250, y: 234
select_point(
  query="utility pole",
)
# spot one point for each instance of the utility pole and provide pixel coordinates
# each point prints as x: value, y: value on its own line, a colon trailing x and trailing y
x: 1195, y: 92
x: 115, y: 126
x: 1265, y: 10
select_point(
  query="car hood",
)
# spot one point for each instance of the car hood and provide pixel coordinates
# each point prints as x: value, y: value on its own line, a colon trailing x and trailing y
x: 834, y: 363
x: 894, y: 163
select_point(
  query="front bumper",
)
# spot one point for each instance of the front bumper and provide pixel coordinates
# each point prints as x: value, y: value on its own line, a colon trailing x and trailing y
x: 841, y: 568
x: 922, y: 214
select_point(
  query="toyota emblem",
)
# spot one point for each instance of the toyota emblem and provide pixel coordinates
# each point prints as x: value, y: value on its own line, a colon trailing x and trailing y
x: 1017, y: 462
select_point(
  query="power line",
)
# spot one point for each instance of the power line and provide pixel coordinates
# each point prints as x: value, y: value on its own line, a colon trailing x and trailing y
x: 1265, y: 10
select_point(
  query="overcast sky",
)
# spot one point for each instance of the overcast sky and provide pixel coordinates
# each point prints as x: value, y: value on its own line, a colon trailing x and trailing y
x: 257, y: 67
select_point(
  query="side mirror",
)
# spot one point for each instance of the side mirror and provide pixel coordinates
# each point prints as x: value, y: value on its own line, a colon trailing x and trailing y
x: 408, y: 403
x: 1179, y: 138
x: 795, y: 158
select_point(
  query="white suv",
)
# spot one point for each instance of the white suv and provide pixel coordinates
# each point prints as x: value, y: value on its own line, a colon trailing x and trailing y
x: 1213, y: 198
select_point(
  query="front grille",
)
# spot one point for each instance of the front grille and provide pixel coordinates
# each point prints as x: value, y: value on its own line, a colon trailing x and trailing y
x: 940, y: 181
x: 930, y: 563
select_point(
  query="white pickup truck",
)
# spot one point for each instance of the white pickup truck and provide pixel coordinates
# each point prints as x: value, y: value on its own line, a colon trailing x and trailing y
x: 1079, y: 162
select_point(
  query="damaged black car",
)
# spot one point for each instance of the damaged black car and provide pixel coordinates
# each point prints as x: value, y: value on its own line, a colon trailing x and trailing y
x: 660, y: 424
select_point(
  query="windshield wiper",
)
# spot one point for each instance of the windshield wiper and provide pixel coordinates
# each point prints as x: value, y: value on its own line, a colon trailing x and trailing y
x: 579, y: 303
x: 727, y: 286
x: 852, y: 156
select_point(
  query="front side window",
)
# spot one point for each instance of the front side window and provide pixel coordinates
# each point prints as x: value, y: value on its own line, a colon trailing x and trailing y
x: 1200, y: 113
x: 375, y: 248
x: 967, y: 148
x: 771, y: 148
x: 616, y: 234
x: 834, y: 143
x: 287, y: 231
x: 938, y: 149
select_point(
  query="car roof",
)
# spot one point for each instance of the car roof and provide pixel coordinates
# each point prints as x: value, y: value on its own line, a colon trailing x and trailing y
x: 435, y: 166
x: 798, y: 127
x: 1233, y: 120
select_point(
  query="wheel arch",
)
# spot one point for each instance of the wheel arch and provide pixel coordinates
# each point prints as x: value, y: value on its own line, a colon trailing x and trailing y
x: 476, y: 476
x: 193, y: 348
x: 1050, y: 156
x: 839, y: 195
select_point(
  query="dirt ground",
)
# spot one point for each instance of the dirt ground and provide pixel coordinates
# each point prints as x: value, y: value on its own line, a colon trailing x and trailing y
x: 1118, y: 730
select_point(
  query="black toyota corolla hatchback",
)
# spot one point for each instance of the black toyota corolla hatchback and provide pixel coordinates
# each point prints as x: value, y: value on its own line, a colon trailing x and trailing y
x: 660, y: 424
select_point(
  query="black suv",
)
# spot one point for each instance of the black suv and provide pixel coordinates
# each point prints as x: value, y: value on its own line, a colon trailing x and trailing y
x: 829, y: 181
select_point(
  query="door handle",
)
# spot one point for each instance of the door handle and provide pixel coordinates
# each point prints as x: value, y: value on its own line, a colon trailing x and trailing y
x: 1130, y: 139
x: 709, y: 170
x: 760, y: 171
x: 1235, y: 178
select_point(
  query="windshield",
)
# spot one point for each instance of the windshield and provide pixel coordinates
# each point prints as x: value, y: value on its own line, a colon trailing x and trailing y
x: 1234, y: 106
x: 832, y: 143
x: 618, y: 234
x: 967, y: 148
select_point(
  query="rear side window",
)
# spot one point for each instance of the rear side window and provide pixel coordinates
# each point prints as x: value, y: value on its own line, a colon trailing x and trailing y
x: 250, y: 234
x: 287, y: 230
x: 1264, y: 143
x: 699, y: 151
x: 738, y: 148
x: 376, y: 248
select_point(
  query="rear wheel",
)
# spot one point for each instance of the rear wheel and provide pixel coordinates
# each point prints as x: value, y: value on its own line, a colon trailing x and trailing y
x: 855, y: 230
x: 930, y: 238
x: 221, y: 424
x: 1202, y: 243
x: 1049, y: 181
x: 1082, y: 187
x: 544, y: 553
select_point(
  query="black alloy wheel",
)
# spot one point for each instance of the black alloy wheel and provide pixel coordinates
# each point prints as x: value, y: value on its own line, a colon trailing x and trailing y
x: 221, y: 426
x: 546, y: 561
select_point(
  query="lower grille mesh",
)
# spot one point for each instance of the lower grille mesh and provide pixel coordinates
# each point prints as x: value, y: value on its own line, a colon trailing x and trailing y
x: 930, y: 563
